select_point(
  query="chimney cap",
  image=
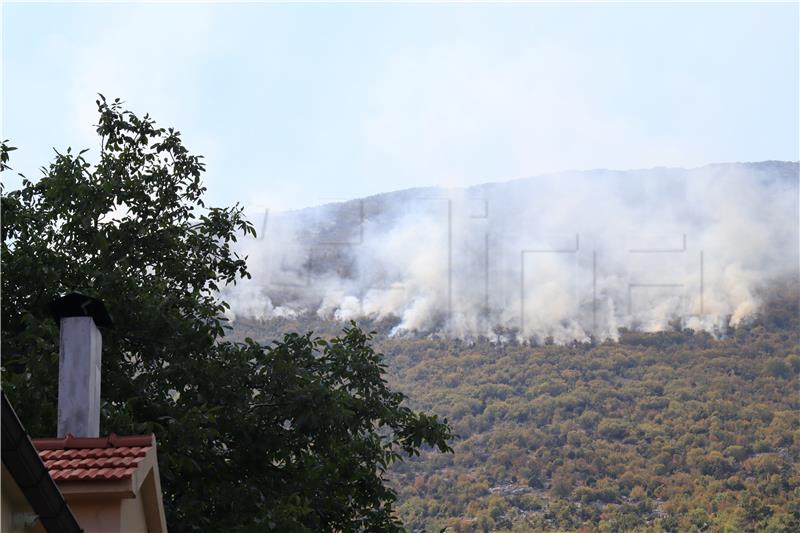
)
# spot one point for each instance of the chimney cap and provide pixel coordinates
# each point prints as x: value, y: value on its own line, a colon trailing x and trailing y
x: 75, y: 304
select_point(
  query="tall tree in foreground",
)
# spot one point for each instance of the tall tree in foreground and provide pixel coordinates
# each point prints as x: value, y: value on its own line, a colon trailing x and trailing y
x: 296, y: 436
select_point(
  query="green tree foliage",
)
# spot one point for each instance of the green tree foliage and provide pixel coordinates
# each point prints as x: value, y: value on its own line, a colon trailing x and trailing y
x: 296, y: 436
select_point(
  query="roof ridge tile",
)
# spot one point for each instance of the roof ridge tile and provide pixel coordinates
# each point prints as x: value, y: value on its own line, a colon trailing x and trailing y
x: 110, y: 441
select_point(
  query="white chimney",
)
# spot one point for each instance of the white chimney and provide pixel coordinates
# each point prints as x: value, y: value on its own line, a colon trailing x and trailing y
x: 80, y: 357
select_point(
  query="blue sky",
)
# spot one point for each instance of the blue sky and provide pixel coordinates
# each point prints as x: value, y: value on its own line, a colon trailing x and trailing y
x: 299, y: 104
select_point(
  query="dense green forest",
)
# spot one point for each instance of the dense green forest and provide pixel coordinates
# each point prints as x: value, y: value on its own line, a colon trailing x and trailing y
x: 671, y: 431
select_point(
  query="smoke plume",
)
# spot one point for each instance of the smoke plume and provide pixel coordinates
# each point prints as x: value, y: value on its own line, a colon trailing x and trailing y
x: 568, y: 256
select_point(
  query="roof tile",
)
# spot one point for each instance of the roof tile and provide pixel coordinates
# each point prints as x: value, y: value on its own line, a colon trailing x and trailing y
x: 93, y: 458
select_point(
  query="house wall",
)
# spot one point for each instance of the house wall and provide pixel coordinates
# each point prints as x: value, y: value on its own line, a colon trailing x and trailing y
x: 98, y: 515
x: 133, y: 518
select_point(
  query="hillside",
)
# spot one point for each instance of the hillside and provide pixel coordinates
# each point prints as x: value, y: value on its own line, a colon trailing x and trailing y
x: 671, y: 431
x: 581, y: 405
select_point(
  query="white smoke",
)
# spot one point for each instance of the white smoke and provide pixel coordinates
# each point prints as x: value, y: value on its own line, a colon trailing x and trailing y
x: 567, y: 256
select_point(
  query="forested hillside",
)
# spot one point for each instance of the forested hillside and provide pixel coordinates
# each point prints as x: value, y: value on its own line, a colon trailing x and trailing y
x: 671, y: 431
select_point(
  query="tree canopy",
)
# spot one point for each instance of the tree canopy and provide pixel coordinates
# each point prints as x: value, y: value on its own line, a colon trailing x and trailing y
x: 293, y: 436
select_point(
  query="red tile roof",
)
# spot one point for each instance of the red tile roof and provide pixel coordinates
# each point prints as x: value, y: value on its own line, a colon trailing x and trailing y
x: 108, y: 458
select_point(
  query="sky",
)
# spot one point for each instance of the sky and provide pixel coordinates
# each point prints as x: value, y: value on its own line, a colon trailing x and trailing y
x: 301, y: 104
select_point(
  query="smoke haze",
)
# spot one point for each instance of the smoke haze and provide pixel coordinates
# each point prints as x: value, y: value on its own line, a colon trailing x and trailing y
x: 567, y: 256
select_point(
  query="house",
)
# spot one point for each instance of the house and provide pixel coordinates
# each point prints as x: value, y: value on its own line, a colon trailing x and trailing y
x: 110, y: 483
x: 79, y: 481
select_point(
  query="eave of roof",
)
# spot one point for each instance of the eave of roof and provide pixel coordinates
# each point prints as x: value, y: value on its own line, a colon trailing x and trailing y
x: 28, y: 470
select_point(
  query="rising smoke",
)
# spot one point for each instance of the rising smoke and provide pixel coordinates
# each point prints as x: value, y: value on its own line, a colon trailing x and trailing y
x: 566, y: 256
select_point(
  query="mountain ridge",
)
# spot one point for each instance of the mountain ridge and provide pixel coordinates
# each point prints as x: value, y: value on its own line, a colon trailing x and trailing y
x: 760, y: 165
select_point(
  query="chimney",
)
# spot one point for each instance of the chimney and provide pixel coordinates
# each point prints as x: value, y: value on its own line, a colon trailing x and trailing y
x: 79, y: 359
